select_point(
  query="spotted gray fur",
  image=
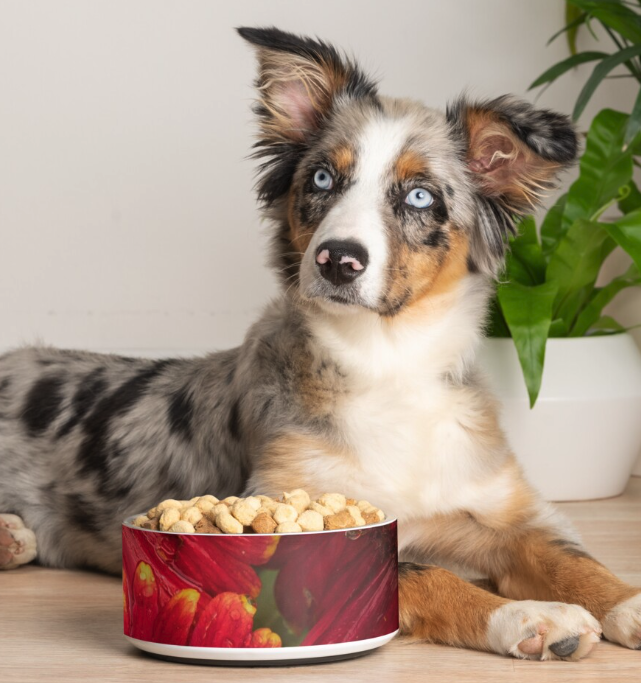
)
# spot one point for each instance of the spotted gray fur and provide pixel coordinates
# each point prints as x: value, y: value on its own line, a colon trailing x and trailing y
x: 88, y: 439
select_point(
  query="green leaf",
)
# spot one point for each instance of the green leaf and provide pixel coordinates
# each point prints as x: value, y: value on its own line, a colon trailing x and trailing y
x: 604, y: 168
x: 633, y: 199
x: 573, y: 17
x: 575, y: 264
x: 571, y: 27
x: 558, y: 328
x: 551, y: 231
x: 601, y: 297
x: 524, y: 261
x: 606, y: 325
x: 615, y: 15
x: 601, y: 70
x: 496, y: 325
x: 526, y: 231
x: 562, y: 67
x: 626, y: 232
x: 268, y: 614
x: 634, y: 122
x: 528, y: 313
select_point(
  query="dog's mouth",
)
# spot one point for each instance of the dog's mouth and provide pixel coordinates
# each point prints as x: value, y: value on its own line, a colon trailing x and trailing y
x: 344, y: 295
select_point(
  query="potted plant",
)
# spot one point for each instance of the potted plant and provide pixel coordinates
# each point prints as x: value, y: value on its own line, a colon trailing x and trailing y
x: 577, y: 426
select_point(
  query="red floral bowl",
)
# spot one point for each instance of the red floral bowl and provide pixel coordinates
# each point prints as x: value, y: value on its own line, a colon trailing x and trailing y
x: 260, y: 598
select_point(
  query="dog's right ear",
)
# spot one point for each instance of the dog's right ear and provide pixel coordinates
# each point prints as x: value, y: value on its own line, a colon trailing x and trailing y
x: 299, y: 80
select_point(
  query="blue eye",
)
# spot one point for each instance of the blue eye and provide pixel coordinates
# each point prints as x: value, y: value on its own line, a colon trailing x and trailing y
x: 419, y: 197
x: 323, y: 179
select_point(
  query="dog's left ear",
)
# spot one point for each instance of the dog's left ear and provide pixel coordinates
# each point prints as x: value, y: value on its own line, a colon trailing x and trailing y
x: 299, y: 81
x: 514, y: 153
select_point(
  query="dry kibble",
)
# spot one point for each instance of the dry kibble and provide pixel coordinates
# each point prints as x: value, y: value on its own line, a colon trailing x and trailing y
x: 169, y: 503
x: 262, y: 510
x: 268, y: 503
x: 288, y: 528
x: 339, y: 520
x: 370, y: 517
x: 204, y: 505
x: 243, y: 512
x: 334, y: 501
x: 191, y: 515
x: 206, y: 526
x: 151, y: 524
x: 285, y: 513
x: 297, y: 498
x: 212, y: 499
x: 321, y: 509
x: 294, y: 512
x: 228, y: 524
x: 356, y: 515
x: 168, y: 518
x: 183, y: 527
x: 263, y: 523
x: 310, y: 520
x: 217, y: 510
x: 253, y: 502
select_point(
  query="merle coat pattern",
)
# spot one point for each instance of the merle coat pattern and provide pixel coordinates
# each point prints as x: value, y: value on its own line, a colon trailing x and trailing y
x: 390, y: 220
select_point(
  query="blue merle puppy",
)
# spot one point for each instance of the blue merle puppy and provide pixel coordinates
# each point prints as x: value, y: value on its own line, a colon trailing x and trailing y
x: 389, y: 222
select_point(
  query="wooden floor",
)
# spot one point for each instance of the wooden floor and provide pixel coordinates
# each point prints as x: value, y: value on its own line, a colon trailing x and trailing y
x: 67, y: 626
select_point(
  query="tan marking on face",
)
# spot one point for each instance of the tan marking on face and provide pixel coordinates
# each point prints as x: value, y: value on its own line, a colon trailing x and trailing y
x: 409, y: 165
x: 437, y: 606
x: 342, y: 158
x: 418, y: 276
x: 299, y: 235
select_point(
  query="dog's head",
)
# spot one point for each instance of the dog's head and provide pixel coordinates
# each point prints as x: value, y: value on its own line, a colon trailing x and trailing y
x: 380, y: 201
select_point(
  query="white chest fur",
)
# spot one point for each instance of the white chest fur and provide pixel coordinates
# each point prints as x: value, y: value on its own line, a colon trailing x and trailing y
x: 413, y: 433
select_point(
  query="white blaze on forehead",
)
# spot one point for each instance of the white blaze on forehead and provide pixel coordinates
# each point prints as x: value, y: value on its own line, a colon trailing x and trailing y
x: 357, y: 216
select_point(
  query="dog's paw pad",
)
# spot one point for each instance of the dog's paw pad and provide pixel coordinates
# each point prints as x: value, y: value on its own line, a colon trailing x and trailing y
x: 17, y: 545
x: 566, y: 647
x: 622, y: 624
x: 543, y: 630
x: 11, y: 521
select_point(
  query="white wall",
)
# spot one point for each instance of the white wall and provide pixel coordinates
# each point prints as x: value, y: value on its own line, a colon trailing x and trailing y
x: 127, y: 218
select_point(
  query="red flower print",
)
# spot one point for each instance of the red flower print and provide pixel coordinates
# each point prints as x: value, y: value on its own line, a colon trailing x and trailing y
x: 145, y: 601
x: 265, y: 637
x: 226, y: 622
x: 176, y: 617
x: 339, y: 587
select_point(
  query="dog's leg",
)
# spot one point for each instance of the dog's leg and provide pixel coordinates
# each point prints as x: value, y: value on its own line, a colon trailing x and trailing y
x: 531, y: 553
x: 544, y: 566
x: 439, y: 607
x: 17, y: 543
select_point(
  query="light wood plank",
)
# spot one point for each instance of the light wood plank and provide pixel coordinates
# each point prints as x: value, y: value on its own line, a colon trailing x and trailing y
x: 67, y: 625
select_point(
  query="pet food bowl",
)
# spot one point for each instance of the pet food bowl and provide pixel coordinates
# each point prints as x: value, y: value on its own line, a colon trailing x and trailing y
x: 260, y: 599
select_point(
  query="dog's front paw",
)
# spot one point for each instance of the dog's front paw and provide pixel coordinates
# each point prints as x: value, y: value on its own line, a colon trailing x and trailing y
x: 17, y: 544
x: 622, y: 624
x: 529, y: 629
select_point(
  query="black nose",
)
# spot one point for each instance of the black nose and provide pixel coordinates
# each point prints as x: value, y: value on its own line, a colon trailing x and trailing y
x: 341, y: 262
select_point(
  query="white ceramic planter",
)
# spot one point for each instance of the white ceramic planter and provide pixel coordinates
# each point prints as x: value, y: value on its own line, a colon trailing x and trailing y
x: 583, y: 437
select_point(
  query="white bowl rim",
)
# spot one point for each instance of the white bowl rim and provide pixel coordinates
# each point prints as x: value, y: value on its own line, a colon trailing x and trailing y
x: 129, y: 524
